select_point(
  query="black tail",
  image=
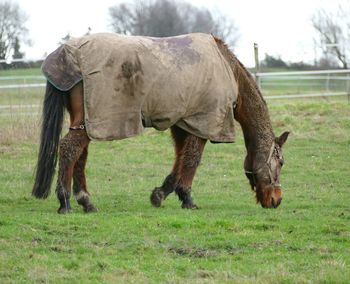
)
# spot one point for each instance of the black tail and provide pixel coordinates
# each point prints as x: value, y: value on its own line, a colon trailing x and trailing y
x: 52, y: 120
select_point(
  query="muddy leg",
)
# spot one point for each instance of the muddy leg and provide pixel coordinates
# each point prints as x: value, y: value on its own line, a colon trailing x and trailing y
x: 70, y: 149
x: 188, y: 151
x: 190, y: 159
x: 79, y: 183
x: 160, y: 193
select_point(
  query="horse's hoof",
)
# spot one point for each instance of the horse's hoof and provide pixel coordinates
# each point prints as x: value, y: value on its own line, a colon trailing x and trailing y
x: 63, y: 210
x: 189, y: 206
x: 157, y: 197
x: 90, y: 208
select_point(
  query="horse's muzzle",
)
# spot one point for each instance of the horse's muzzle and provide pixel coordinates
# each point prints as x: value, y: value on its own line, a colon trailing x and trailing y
x: 269, y: 196
x: 276, y: 203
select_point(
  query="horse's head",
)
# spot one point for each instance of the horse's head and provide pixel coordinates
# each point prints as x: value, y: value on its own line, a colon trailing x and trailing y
x: 264, y: 172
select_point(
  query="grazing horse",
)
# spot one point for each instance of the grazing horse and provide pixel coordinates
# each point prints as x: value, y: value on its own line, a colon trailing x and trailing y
x: 113, y: 86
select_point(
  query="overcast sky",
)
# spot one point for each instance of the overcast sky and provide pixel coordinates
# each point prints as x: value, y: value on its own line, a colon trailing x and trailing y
x: 280, y: 27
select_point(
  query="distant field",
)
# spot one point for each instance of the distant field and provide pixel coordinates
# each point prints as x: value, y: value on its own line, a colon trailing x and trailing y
x: 229, y: 240
x: 21, y: 72
x: 20, y: 96
x: 288, y: 85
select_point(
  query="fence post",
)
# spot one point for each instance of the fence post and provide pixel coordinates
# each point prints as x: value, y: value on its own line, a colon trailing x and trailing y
x: 257, y: 65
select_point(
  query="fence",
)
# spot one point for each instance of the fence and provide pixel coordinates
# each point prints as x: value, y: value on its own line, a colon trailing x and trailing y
x: 285, y: 84
x: 13, y: 82
x: 303, y: 84
x: 22, y: 90
x: 20, y: 95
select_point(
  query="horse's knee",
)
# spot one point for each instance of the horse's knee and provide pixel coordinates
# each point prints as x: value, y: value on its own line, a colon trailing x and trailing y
x: 192, y: 152
x: 192, y: 158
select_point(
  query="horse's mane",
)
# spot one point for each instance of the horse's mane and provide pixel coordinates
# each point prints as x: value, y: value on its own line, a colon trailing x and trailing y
x: 251, y: 109
x: 239, y: 71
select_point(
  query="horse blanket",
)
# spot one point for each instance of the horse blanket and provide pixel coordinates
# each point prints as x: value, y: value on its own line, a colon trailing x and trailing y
x: 132, y: 82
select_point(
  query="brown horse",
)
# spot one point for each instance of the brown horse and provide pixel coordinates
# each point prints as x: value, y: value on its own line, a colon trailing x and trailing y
x: 263, y: 161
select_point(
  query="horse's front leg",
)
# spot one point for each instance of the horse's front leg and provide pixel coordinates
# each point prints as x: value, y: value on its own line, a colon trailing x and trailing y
x: 70, y: 149
x: 79, y: 183
x: 159, y: 194
x: 188, y: 152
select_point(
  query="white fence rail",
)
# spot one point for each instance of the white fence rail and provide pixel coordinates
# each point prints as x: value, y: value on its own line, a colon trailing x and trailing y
x: 25, y: 78
x: 320, y: 83
x: 311, y: 72
x: 20, y: 86
x: 20, y: 82
x: 20, y: 60
x: 303, y: 84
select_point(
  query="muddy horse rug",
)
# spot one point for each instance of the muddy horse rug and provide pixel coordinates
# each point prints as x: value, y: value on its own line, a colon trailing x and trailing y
x: 136, y: 82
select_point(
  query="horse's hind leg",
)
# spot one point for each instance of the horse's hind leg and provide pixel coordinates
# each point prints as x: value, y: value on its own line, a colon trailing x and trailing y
x: 189, y: 161
x: 70, y: 149
x: 79, y: 183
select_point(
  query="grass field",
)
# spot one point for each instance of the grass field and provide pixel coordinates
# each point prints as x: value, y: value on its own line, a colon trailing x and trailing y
x: 229, y: 240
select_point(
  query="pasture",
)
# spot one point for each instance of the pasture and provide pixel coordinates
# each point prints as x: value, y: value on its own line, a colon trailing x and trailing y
x: 229, y: 239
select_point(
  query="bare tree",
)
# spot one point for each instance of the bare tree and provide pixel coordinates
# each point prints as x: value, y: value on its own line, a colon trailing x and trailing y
x: 169, y: 18
x: 12, y: 29
x: 334, y: 36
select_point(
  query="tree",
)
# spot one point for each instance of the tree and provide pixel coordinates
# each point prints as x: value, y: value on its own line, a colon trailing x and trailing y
x: 12, y: 29
x: 273, y: 62
x: 334, y: 36
x: 169, y: 18
x: 17, y: 49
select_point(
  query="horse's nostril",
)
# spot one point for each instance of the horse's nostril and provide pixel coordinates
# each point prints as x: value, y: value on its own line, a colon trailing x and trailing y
x: 276, y: 204
x: 273, y: 203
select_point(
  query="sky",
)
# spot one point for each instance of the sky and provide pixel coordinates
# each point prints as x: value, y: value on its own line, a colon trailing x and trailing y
x: 280, y: 27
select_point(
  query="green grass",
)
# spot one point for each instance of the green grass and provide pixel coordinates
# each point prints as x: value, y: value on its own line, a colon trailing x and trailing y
x: 21, y: 72
x: 277, y: 88
x: 229, y: 240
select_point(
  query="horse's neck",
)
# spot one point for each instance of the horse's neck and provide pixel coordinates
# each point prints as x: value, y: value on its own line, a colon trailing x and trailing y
x: 251, y: 110
x: 252, y: 114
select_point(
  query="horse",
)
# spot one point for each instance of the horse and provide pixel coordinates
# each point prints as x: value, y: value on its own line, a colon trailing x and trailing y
x: 244, y: 103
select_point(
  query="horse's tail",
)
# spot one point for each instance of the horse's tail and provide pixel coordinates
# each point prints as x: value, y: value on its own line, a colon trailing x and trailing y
x: 52, y: 121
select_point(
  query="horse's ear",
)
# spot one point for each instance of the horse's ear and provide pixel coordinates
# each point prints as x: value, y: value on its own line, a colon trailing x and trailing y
x: 282, y: 139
